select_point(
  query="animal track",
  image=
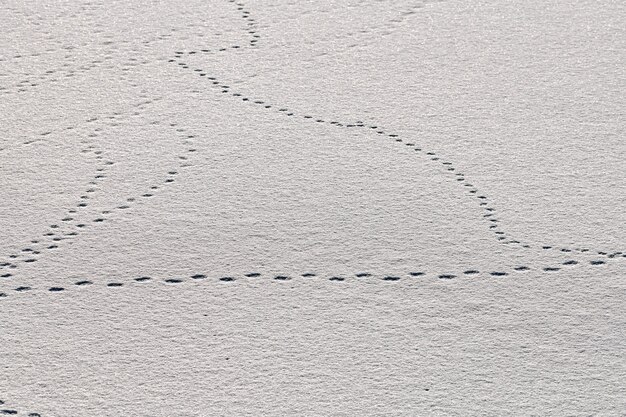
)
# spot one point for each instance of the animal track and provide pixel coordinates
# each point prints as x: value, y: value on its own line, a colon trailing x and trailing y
x: 254, y: 276
x: 68, y: 59
x: 57, y: 234
x: 74, y: 222
x: 472, y: 191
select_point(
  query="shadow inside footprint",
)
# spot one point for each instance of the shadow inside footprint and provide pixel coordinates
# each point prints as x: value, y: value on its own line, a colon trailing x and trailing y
x: 390, y: 278
x: 143, y: 279
x: 198, y: 276
x: 447, y: 276
x: 227, y: 279
x: 282, y: 278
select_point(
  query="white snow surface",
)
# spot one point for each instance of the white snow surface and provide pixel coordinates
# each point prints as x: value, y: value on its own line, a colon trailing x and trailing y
x: 312, y: 208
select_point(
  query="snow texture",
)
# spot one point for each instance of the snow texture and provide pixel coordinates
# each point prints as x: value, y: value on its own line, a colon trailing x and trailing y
x: 312, y: 208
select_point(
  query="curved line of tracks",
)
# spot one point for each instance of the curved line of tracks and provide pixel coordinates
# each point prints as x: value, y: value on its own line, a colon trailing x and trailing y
x: 490, y: 214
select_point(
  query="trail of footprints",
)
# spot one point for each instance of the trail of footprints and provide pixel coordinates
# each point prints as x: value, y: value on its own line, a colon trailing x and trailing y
x: 70, y: 70
x: 374, y: 32
x: 70, y: 225
x: 56, y: 233
x: 361, y: 276
x: 489, y: 212
x: 63, y: 231
x: 106, y: 50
